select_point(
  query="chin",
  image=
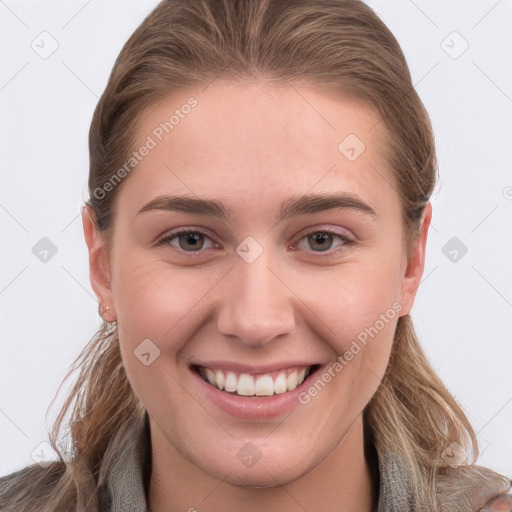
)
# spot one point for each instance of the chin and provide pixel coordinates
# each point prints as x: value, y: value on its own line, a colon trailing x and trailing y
x: 263, y: 478
x: 264, y: 473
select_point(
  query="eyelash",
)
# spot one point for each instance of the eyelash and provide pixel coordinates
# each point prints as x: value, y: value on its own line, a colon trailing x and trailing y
x: 166, y: 240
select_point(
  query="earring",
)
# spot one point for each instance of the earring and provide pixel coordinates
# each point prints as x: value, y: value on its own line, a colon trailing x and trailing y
x: 106, y: 314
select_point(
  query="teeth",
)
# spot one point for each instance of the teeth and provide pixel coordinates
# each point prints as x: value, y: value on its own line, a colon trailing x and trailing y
x: 280, y: 384
x: 219, y: 379
x: 245, y: 384
x: 264, y: 386
x: 210, y: 375
x: 230, y: 384
x: 291, y: 381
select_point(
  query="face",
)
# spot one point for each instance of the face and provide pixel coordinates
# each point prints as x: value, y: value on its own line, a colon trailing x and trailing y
x: 283, y: 289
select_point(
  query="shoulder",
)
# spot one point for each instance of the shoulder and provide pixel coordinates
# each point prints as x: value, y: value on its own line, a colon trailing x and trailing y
x: 29, y: 487
x: 474, y: 488
x: 498, y: 503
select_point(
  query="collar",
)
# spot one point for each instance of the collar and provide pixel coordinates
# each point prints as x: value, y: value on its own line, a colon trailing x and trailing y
x: 125, y: 488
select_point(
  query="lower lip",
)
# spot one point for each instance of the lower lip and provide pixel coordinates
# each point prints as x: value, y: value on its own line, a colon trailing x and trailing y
x: 253, y: 408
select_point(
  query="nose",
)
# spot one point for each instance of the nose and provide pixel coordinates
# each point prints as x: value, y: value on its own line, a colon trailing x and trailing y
x: 256, y: 304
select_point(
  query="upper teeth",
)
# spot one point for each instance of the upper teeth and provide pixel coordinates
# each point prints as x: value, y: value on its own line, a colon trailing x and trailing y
x: 263, y: 384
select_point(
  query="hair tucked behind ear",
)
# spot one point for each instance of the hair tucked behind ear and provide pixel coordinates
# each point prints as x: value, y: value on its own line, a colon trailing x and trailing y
x: 334, y: 44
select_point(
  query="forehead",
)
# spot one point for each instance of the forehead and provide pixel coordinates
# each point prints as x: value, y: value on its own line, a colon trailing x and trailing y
x: 245, y: 141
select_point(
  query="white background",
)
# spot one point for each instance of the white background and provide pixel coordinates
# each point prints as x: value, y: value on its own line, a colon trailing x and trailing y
x: 463, y: 312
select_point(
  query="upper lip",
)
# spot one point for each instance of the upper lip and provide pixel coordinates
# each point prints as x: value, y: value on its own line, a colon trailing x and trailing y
x: 244, y: 368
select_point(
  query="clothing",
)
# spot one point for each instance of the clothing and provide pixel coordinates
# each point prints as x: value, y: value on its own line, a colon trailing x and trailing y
x: 125, y: 489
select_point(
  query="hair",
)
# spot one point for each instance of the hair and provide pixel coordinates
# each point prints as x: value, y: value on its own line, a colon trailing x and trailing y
x: 339, y: 45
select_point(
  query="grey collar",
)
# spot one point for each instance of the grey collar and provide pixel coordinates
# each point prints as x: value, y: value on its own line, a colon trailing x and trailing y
x: 125, y: 488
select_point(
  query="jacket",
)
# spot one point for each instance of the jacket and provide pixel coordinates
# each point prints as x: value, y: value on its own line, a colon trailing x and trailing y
x: 126, y: 487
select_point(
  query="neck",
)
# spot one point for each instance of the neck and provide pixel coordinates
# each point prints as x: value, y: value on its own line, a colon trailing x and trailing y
x: 342, y: 482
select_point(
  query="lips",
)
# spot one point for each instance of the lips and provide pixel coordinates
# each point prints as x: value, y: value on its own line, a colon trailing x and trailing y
x: 258, y: 393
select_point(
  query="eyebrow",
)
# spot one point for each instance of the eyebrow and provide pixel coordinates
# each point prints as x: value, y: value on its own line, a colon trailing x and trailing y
x: 292, y: 207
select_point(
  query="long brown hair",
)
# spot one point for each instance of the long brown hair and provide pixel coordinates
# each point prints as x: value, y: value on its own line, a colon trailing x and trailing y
x: 337, y: 44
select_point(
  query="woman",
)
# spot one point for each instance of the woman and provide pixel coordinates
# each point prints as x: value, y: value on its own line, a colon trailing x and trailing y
x: 260, y: 175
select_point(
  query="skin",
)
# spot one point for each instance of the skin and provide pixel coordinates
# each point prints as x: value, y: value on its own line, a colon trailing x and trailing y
x: 253, y: 146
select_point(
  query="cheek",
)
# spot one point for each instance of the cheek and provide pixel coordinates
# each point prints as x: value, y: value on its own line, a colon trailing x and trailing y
x: 157, y: 303
x: 354, y: 297
x: 359, y: 308
x: 361, y: 319
x: 151, y: 298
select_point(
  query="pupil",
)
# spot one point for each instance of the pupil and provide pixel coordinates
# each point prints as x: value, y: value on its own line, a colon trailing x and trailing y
x: 193, y: 239
x: 320, y: 238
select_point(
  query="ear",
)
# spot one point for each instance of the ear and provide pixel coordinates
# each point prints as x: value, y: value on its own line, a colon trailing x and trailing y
x: 99, y: 266
x: 416, y: 263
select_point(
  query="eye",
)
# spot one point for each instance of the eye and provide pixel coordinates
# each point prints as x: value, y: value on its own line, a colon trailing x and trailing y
x: 193, y: 241
x: 187, y: 240
x: 323, y: 241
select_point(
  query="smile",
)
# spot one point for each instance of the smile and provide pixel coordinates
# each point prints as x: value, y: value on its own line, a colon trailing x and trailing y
x: 255, y: 384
